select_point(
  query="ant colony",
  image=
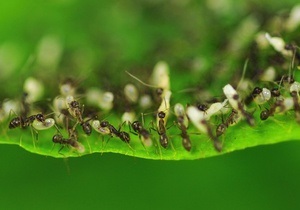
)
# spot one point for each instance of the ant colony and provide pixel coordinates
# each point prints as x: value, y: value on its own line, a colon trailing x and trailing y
x: 145, y: 110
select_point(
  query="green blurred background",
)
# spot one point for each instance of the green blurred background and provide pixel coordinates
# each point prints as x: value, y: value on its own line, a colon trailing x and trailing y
x: 99, y: 38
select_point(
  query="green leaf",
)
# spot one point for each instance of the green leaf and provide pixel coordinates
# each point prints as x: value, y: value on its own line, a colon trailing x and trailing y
x: 276, y: 129
x: 207, y: 68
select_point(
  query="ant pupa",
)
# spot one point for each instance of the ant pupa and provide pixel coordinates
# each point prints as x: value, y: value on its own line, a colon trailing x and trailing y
x: 143, y: 133
x: 261, y: 95
x: 131, y: 93
x: 34, y: 89
x: 68, y: 87
x: 40, y: 123
x: 128, y: 116
x: 6, y: 107
x: 279, y: 45
x: 268, y: 75
x: 182, y: 122
x: 103, y: 100
x: 234, y: 101
x: 197, y: 117
x: 160, y: 76
x: 293, y: 20
x: 71, y: 141
x: 145, y: 101
x: 100, y: 127
x: 160, y: 79
x: 294, y: 91
x: 60, y: 109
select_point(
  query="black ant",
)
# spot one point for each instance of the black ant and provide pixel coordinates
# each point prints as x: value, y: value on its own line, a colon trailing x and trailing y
x: 163, y: 138
x: 179, y: 112
x: 21, y: 122
x: 295, y: 97
x: 72, y: 141
x: 113, y: 131
x: 230, y: 120
x: 75, y: 111
x: 144, y: 133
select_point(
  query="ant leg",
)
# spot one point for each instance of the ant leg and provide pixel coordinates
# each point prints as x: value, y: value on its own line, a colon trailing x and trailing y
x: 33, y: 137
x: 59, y: 151
x: 158, y: 148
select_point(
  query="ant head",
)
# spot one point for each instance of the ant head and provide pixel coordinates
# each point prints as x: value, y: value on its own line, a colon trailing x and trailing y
x: 136, y: 125
x: 104, y: 123
x: 256, y: 91
x: 40, y: 117
x: 159, y: 91
x: 202, y: 107
x: 161, y: 114
x: 74, y: 104
x: 57, y: 138
x: 264, y: 115
x: 235, y: 97
x: 293, y: 93
x: 275, y: 92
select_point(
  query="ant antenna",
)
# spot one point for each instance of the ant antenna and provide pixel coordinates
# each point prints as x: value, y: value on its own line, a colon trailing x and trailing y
x: 139, y: 80
x: 243, y: 74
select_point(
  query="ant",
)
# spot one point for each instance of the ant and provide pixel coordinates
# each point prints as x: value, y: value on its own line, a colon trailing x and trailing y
x: 182, y: 122
x: 124, y: 136
x: 76, y: 112
x: 21, y: 122
x: 144, y: 133
x: 197, y: 117
x: 234, y: 100
x: 221, y: 128
x: 72, y: 141
x: 163, y: 138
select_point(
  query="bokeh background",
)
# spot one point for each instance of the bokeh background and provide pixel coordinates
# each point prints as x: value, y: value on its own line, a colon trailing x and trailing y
x: 98, y: 38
